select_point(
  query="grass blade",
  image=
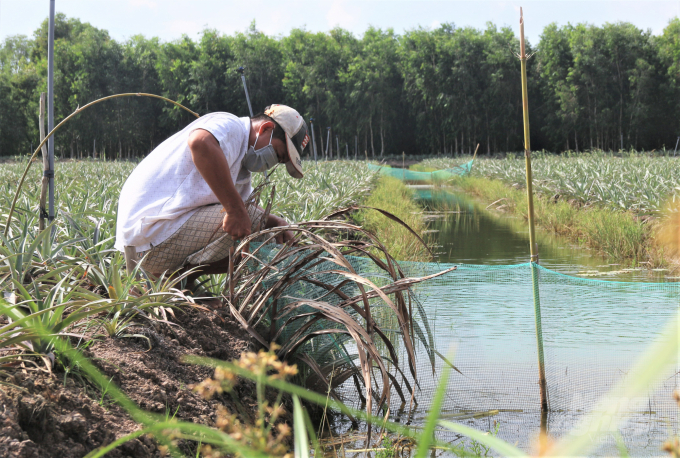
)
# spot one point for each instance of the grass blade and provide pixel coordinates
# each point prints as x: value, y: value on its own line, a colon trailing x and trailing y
x: 300, y: 429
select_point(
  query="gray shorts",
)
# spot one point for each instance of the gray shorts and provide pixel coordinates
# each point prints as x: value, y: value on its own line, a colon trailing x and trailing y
x: 199, y: 241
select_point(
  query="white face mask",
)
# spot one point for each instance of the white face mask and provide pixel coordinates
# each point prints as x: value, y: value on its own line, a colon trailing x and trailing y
x: 262, y: 159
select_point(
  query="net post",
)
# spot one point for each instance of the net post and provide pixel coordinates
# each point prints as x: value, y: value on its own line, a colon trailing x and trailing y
x: 45, y: 182
x: 532, y: 231
x: 50, y: 113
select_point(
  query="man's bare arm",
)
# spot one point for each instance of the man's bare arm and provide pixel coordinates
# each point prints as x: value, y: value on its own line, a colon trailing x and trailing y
x: 213, y: 167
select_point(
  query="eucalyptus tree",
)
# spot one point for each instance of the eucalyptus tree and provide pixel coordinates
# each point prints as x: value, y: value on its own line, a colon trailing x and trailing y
x: 374, y: 84
x: 175, y: 63
x: 87, y: 61
x: 420, y: 58
x: 314, y: 63
x: 669, y: 54
x: 501, y: 99
x: 463, y: 84
x: 602, y: 86
x: 426, y: 91
x: 561, y: 109
x: 262, y: 57
x: 138, y: 122
x: 18, y: 80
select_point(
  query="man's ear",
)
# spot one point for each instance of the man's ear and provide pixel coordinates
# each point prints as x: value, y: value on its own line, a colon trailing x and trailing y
x: 265, y: 127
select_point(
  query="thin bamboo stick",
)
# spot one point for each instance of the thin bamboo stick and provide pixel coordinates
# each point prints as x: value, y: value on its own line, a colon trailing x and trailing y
x: 77, y: 111
x: 532, y: 230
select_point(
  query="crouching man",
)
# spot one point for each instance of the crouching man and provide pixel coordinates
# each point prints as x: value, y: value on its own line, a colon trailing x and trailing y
x: 183, y: 205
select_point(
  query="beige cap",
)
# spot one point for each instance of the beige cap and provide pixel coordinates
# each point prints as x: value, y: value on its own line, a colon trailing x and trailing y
x: 296, y: 135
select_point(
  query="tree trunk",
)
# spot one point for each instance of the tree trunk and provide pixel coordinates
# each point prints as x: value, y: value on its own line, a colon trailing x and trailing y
x: 323, y: 150
x: 576, y: 140
x: 382, y: 137
x: 370, y: 126
x: 366, y: 143
x: 444, y: 142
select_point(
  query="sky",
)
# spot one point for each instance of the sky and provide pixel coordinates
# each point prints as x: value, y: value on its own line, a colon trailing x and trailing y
x: 170, y: 19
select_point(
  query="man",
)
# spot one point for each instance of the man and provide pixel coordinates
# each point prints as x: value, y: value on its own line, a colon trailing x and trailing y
x: 184, y: 204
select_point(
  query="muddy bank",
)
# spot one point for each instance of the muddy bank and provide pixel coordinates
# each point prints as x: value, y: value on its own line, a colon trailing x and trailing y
x: 61, y: 414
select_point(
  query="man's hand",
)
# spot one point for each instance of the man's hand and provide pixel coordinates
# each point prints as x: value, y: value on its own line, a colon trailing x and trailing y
x: 277, y: 221
x: 237, y: 224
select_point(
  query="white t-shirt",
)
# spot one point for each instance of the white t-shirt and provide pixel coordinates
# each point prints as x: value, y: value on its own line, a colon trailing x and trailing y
x: 165, y: 189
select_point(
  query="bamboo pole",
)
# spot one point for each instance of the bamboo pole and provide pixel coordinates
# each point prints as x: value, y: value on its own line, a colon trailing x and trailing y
x: 45, y: 182
x: 532, y: 230
x: 77, y: 111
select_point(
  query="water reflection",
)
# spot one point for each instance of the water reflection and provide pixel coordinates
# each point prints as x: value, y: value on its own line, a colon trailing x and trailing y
x: 466, y: 232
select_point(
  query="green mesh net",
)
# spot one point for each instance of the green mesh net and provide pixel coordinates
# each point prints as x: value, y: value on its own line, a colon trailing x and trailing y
x: 593, y: 332
x: 412, y: 175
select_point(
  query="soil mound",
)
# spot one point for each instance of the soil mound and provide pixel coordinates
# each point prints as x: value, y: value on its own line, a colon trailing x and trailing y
x: 64, y: 415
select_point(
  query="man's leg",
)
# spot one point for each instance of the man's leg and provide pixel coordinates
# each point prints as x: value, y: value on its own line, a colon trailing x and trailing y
x: 200, y: 242
x: 217, y: 267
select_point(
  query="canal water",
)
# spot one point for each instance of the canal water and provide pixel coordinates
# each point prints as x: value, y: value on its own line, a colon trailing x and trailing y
x: 597, y: 318
x: 465, y: 231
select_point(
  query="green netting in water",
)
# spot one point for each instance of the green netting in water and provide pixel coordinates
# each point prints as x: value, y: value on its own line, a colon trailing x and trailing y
x: 412, y: 175
x: 593, y: 333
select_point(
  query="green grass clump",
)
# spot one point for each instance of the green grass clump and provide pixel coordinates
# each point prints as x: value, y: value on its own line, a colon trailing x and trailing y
x: 618, y: 234
x: 393, y: 196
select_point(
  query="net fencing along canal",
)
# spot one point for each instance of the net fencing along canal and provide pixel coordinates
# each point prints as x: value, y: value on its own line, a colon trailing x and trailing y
x: 413, y: 175
x: 593, y: 332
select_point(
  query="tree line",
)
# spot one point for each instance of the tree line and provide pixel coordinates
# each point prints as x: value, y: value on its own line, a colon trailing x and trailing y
x: 425, y: 91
